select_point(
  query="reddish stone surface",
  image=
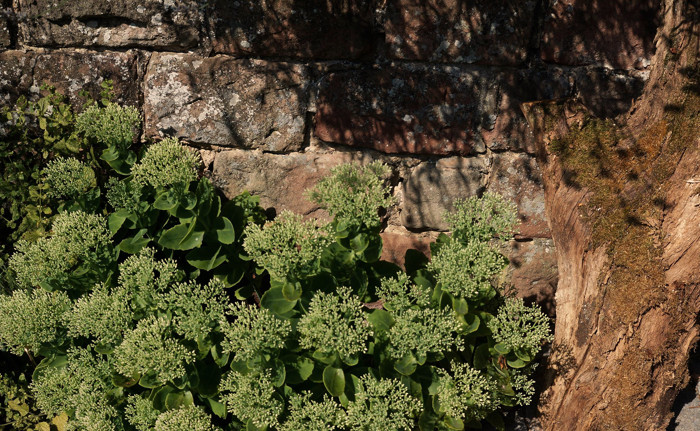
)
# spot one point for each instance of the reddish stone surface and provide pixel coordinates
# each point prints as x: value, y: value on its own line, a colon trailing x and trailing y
x: 533, y: 271
x: 395, y: 245
x: 616, y: 33
x: 517, y: 177
x: 415, y: 110
x: 225, y: 101
x: 15, y: 75
x: 493, y: 32
x: 318, y: 29
x: 73, y: 71
x: 155, y: 24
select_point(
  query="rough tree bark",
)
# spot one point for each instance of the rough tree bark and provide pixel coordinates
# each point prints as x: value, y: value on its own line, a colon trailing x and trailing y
x: 624, y: 208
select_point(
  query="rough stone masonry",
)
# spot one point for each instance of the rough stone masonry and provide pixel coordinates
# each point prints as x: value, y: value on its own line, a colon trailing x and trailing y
x: 275, y: 93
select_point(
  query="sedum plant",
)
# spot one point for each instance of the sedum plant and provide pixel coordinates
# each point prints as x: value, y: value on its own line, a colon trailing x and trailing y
x: 163, y: 306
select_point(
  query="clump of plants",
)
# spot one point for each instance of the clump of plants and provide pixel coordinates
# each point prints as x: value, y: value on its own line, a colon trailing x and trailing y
x: 154, y: 303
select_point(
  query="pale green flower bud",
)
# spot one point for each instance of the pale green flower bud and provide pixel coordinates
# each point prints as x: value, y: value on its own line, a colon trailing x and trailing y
x: 287, y: 247
x: 381, y: 405
x: 481, y: 219
x: 166, y: 163
x: 353, y: 194
x: 252, y: 397
x: 112, y: 125
x: 335, y: 323
x: 308, y: 415
x: 254, y: 331
x: 31, y: 319
x: 68, y: 178
x: 467, y: 393
x: 151, y: 349
x: 520, y: 327
x: 101, y: 315
x: 424, y: 331
x: 197, y: 310
x: 140, y: 413
x: 186, y: 418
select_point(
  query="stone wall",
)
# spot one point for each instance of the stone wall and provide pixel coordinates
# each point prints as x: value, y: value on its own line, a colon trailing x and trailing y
x: 276, y: 92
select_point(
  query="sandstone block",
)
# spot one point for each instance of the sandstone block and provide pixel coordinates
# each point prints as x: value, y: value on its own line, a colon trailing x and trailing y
x: 517, y: 177
x: 615, y: 33
x: 533, y: 271
x: 226, y: 102
x: 293, y: 28
x: 605, y: 92
x: 279, y: 179
x: 155, y: 24
x: 73, y: 71
x: 15, y: 75
x: 431, y: 188
x: 408, y: 109
x: 492, y: 32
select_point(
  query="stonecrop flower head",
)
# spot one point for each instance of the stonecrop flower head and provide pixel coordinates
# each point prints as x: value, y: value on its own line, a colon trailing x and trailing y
x: 466, y: 271
x: 152, y: 349
x: 400, y: 294
x: 353, y: 194
x: 383, y: 404
x: 112, y: 125
x: 123, y: 194
x: 29, y: 319
x: 252, y: 397
x: 520, y: 328
x: 308, y: 415
x: 102, y: 315
x: 254, y: 331
x: 335, y: 323
x: 185, y: 418
x: 77, y: 238
x: 419, y: 332
x: 80, y: 386
x: 140, y: 413
x: 467, y: 393
x: 144, y: 279
x: 196, y: 309
x: 166, y: 164
x: 68, y: 178
x: 523, y: 386
x: 481, y: 219
x: 287, y: 247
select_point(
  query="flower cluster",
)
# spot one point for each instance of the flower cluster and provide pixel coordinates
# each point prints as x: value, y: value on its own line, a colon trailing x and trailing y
x: 520, y: 328
x: 78, y: 238
x: 383, y: 404
x: 196, y: 309
x: 466, y: 271
x: 353, y: 195
x: 123, y: 194
x: 305, y: 414
x: 466, y: 393
x: 254, y: 331
x: 143, y: 278
x: 165, y: 164
x: 481, y: 219
x: 29, y: 319
x: 140, y: 413
x: 112, y: 125
x: 287, y: 247
x: 252, y: 397
x: 335, y: 323
x: 151, y: 349
x: 419, y: 332
x: 68, y: 178
x: 186, y: 418
x: 400, y: 294
x: 102, y: 315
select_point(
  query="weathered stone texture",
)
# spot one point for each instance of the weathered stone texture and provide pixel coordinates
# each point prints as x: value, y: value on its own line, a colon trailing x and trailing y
x: 227, y: 102
x: 492, y: 32
x: 396, y: 241
x: 72, y: 71
x: 604, y: 92
x: 16, y: 68
x: 317, y: 29
x: 5, y: 35
x: 157, y: 24
x: 533, y: 272
x: 517, y: 177
x: 615, y: 33
x: 418, y: 110
x: 279, y: 179
x: 431, y: 188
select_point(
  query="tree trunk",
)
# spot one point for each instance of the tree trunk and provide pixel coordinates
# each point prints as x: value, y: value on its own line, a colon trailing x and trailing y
x: 624, y: 208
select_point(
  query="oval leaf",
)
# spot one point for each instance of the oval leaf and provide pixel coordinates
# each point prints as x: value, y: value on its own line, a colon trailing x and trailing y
x: 334, y: 380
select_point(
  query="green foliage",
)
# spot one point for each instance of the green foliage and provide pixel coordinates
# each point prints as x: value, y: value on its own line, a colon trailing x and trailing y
x: 32, y: 319
x: 68, y: 178
x: 128, y: 303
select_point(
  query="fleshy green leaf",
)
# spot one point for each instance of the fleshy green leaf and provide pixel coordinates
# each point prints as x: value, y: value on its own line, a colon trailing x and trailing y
x: 334, y: 380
